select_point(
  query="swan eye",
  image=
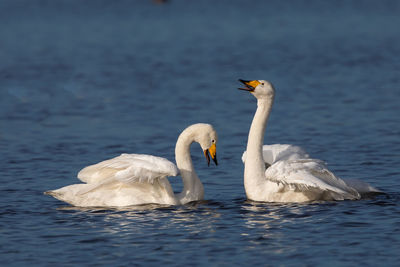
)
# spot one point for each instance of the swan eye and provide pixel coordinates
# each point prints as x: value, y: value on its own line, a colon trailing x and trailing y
x: 213, y: 141
x: 262, y: 83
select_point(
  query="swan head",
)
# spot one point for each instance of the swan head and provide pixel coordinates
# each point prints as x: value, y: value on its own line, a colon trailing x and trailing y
x: 261, y: 89
x: 207, y: 137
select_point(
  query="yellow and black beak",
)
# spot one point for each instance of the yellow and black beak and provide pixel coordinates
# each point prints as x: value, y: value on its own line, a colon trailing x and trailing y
x: 212, y: 151
x: 250, y: 85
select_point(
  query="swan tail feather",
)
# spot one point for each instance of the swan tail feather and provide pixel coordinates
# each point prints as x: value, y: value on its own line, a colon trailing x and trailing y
x: 361, y: 187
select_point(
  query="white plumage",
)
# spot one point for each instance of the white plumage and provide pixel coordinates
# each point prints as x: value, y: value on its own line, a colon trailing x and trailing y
x: 134, y: 179
x: 286, y: 173
x: 129, y: 168
x: 276, y: 152
x: 291, y: 167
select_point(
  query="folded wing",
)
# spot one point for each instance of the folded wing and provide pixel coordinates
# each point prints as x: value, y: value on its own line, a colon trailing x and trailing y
x: 277, y: 152
x: 128, y: 168
x: 291, y: 166
x: 310, y: 174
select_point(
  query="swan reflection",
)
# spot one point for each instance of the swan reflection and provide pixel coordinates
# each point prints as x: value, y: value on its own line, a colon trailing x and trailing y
x: 268, y: 213
x: 193, y: 219
x: 270, y: 224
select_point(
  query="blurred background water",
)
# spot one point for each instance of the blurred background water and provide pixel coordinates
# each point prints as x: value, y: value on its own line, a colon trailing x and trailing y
x: 83, y: 81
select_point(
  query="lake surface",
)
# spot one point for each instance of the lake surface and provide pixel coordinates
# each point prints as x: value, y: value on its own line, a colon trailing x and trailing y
x: 83, y: 81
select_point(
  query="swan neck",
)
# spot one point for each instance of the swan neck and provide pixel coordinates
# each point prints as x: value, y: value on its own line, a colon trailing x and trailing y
x: 192, y: 186
x: 258, y: 125
x: 254, y: 165
x: 182, y: 152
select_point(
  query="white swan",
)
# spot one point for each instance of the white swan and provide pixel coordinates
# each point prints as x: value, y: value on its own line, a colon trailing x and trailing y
x: 285, y: 173
x: 134, y: 179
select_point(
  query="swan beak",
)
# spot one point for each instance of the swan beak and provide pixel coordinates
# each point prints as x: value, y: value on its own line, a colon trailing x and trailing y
x: 212, y: 151
x: 250, y: 85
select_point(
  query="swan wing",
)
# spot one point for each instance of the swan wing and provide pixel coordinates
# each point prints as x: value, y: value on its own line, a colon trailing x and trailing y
x: 308, y: 174
x: 129, y: 168
x: 361, y: 186
x: 291, y: 165
x: 277, y: 152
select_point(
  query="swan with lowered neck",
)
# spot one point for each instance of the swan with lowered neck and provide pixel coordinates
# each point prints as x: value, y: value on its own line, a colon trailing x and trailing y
x: 285, y: 173
x: 135, y: 179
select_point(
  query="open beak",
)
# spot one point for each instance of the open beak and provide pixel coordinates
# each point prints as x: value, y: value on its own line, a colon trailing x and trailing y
x: 212, y: 151
x: 250, y: 85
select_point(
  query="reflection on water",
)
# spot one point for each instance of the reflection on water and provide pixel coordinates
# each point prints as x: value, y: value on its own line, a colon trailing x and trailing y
x: 276, y: 227
x: 260, y: 213
x: 194, y: 218
x: 266, y: 219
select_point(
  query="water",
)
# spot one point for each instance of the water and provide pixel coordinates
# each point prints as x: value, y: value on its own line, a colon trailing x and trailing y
x: 81, y: 82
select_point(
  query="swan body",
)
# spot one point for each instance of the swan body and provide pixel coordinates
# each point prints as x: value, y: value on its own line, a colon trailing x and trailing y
x: 135, y: 179
x: 286, y: 173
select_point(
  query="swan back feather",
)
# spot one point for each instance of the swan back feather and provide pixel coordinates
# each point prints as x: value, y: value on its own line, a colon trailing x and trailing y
x: 309, y: 174
x: 276, y: 152
x: 129, y: 168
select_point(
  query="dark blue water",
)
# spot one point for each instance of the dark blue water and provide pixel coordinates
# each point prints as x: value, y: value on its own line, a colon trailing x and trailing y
x: 83, y: 81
